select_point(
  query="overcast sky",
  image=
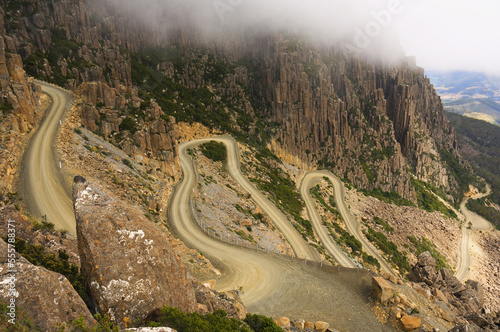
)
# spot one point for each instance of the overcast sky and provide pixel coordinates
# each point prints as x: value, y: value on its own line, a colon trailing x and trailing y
x: 442, y: 34
x: 452, y: 34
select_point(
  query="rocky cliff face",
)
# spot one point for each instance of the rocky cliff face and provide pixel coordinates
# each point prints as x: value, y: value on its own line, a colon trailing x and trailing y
x: 19, y: 104
x: 129, y: 267
x: 47, y: 296
x: 368, y: 121
x: 372, y: 123
x: 461, y: 303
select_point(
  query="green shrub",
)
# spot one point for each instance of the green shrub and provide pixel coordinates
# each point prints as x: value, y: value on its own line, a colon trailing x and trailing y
x: 370, y: 260
x: 259, y: 323
x: 38, y: 256
x: 424, y: 245
x: 379, y: 221
x: 214, y: 150
x: 388, y: 197
x: 5, y: 106
x: 127, y: 163
x: 23, y: 323
x: 104, y: 324
x: 429, y: 202
x: 194, y: 322
x: 128, y: 124
x: 395, y: 256
x: 44, y: 225
x: 462, y: 175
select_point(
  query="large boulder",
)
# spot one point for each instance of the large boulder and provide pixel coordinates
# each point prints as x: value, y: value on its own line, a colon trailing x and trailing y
x: 45, y: 295
x: 382, y: 290
x: 425, y: 270
x: 410, y: 323
x: 129, y: 267
x: 209, y: 300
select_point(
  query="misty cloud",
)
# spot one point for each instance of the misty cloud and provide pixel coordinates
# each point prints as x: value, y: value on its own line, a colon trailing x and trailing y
x: 447, y: 34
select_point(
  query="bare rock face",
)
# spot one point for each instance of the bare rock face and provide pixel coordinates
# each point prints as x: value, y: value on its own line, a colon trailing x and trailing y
x: 209, y: 300
x: 47, y: 296
x: 381, y: 289
x: 463, y: 303
x: 425, y: 270
x: 129, y: 267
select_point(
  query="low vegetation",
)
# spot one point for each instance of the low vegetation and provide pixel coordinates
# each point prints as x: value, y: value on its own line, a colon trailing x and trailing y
x: 22, y: 322
x: 281, y: 190
x: 430, y: 202
x: 481, y: 207
x: 388, y: 197
x: 462, y: 175
x: 395, y: 256
x: 214, y: 150
x: 104, y: 324
x: 481, y: 148
x: 424, y: 245
x: 387, y: 228
x: 214, y: 322
x: 59, y: 263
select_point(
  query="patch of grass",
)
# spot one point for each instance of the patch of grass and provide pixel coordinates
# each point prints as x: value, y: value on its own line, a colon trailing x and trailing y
x: 379, y: 221
x: 346, y: 238
x: 213, y: 150
x: 398, y: 258
x: 388, y: 197
x: 194, y: 322
x: 428, y: 201
x: 370, y: 260
x: 424, y: 245
x: 245, y: 236
x: 36, y: 255
x: 281, y: 190
x: 329, y: 207
x: 104, y: 324
x: 127, y: 163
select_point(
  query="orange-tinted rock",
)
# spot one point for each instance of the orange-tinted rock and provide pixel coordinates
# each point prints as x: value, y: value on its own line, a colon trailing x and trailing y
x: 410, y: 323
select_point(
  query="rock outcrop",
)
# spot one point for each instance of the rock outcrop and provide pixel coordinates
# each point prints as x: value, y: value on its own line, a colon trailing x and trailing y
x: 460, y: 303
x: 128, y: 265
x: 19, y: 104
x: 52, y: 241
x: 326, y: 106
x: 209, y: 300
x: 47, y: 296
x: 382, y: 290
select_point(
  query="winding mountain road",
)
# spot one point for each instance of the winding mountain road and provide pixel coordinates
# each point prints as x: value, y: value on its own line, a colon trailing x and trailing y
x: 300, y: 248
x: 477, y: 223
x: 41, y: 182
x: 272, y: 284
x: 353, y: 226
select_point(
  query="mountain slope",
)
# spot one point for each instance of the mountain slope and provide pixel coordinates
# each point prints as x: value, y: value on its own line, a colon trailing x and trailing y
x: 480, y: 145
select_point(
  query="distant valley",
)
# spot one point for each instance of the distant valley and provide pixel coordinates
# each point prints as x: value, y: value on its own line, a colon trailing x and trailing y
x: 472, y: 94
